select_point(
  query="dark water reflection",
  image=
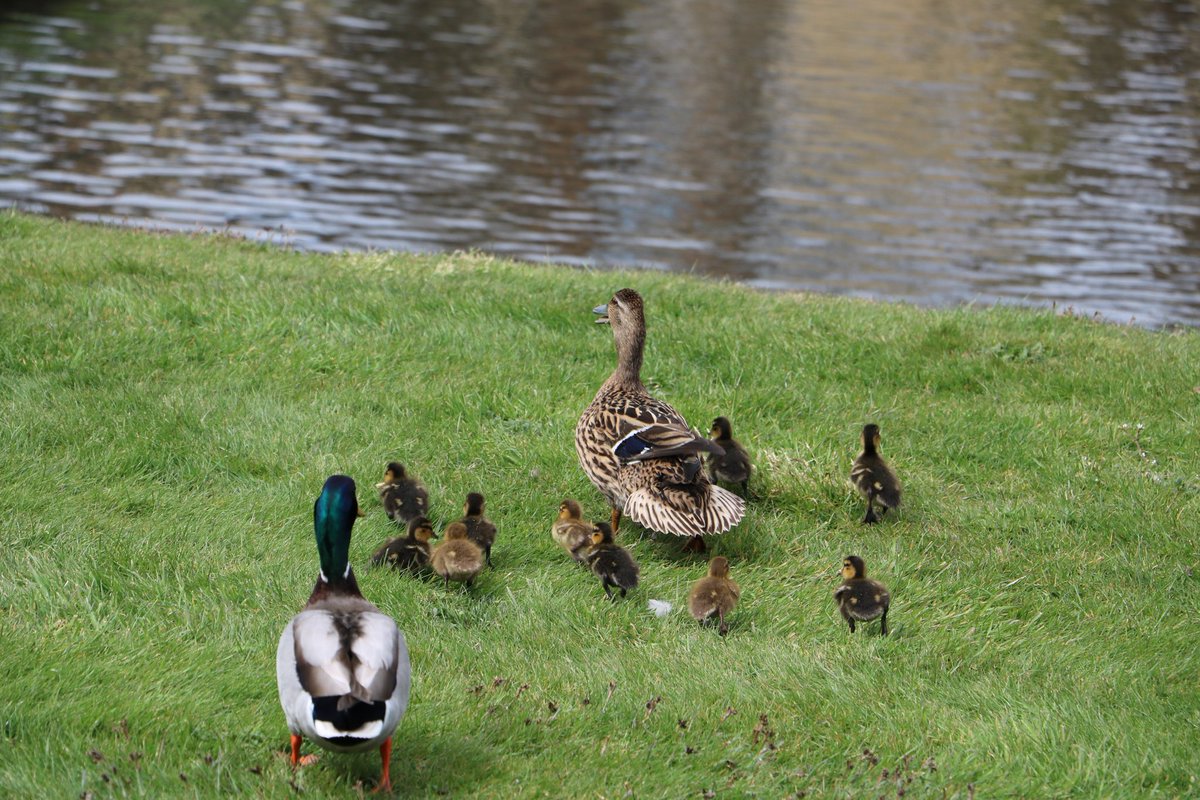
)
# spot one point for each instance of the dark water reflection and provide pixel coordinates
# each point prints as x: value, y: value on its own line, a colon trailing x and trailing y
x: 1026, y: 151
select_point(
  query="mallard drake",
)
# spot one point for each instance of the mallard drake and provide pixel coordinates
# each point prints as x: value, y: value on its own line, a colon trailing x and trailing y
x: 480, y: 529
x: 714, y: 595
x: 611, y: 563
x: 404, y: 497
x: 873, y: 478
x: 342, y: 664
x: 859, y: 597
x: 457, y: 558
x: 570, y: 531
x: 640, y: 453
x: 734, y: 465
x: 407, y: 552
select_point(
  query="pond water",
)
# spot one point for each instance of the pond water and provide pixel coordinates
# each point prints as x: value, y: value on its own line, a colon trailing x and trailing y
x: 1035, y: 151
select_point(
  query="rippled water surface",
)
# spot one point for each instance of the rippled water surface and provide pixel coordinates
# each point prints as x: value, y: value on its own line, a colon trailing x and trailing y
x: 1027, y: 151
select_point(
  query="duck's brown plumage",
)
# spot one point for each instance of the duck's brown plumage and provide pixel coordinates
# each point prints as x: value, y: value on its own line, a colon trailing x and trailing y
x: 714, y: 595
x: 859, y: 598
x: 640, y: 453
x: 570, y: 532
x: 873, y: 478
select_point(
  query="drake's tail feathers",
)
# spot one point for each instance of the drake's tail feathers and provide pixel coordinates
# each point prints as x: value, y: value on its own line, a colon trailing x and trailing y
x: 686, y: 513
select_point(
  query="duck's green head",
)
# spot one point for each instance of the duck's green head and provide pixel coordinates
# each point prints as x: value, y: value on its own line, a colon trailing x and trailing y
x: 333, y: 517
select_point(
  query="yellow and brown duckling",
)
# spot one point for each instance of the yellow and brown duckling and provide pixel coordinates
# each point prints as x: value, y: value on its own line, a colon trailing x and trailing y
x: 859, y: 598
x: 404, y: 497
x: 408, y: 552
x: 480, y: 529
x: 734, y: 465
x: 714, y: 595
x: 873, y: 478
x: 457, y: 558
x: 611, y: 563
x: 570, y: 532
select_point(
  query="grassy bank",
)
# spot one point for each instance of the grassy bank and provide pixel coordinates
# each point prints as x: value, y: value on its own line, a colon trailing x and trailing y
x: 171, y: 406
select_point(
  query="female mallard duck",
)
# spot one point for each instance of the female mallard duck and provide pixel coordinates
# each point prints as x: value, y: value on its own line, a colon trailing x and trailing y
x: 640, y: 453
x: 480, y: 529
x: 873, y: 478
x: 407, y: 552
x: 342, y: 665
x: 714, y: 595
x: 458, y: 558
x: 859, y: 597
x: 570, y: 532
x: 611, y: 563
x: 734, y: 465
x: 404, y: 497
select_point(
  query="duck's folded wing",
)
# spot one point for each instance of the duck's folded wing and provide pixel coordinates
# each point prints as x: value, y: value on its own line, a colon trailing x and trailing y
x: 321, y: 664
x: 659, y: 440
x: 346, y: 654
x: 377, y: 652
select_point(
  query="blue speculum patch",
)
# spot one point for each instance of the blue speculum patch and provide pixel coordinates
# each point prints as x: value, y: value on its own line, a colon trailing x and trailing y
x: 631, y: 446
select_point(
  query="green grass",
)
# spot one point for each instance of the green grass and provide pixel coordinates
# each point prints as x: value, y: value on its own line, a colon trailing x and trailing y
x: 171, y: 406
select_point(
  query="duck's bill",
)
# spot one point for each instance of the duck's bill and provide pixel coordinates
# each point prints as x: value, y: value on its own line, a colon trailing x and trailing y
x: 603, y: 312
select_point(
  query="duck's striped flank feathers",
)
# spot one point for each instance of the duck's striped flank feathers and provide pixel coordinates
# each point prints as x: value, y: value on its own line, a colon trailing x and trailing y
x: 684, y: 513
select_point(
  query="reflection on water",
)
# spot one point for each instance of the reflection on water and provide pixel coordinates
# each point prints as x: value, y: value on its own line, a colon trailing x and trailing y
x: 1035, y: 150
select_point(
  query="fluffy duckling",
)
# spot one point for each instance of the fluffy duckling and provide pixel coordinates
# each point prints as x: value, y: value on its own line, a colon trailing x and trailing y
x: 480, y: 529
x: 714, y: 595
x: 734, y: 465
x: 457, y: 558
x: 570, y: 532
x: 404, y: 497
x: 408, y: 552
x: 873, y: 478
x: 859, y: 597
x: 611, y: 562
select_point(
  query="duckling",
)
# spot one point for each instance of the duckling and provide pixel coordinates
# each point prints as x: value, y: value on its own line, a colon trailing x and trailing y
x: 408, y: 552
x: 734, y: 465
x: 570, y: 531
x: 611, y: 562
x: 404, y: 497
x: 714, y: 595
x: 873, y: 478
x: 457, y: 558
x: 480, y: 529
x: 859, y: 597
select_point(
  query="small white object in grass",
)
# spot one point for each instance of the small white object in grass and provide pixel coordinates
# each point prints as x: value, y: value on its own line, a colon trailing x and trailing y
x: 660, y: 607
